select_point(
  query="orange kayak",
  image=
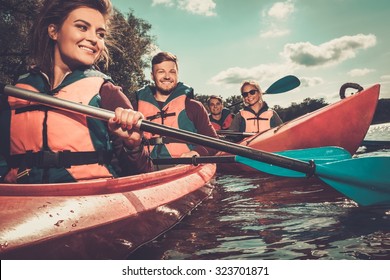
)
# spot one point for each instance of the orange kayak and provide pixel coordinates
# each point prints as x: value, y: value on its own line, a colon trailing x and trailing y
x: 343, y: 124
x: 100, y: 219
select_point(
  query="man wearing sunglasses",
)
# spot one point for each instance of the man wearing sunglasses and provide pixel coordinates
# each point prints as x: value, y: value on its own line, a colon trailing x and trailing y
x: 256, y: 116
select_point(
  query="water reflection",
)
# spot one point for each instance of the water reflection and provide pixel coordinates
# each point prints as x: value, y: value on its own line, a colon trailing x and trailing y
x: 254, y: 217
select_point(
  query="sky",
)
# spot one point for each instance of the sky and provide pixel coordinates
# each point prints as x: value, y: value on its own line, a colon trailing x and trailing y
x: 220, y: 43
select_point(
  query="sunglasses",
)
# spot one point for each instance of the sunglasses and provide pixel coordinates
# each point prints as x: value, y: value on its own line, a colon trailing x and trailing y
x: 251, y: 92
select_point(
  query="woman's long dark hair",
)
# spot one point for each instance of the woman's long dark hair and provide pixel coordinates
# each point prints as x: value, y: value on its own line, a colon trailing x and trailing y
x: 56, y: 12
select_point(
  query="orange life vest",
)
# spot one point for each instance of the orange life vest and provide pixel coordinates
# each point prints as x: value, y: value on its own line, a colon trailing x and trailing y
x: 255, y: 123
x: 172, y: 114
x: 224, y: 122
x: 34, y: 128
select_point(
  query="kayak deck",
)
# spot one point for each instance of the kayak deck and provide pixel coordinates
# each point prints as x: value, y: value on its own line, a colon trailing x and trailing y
x: 97, y: 219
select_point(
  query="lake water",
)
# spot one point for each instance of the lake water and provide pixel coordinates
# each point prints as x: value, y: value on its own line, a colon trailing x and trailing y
x: 274, y: 218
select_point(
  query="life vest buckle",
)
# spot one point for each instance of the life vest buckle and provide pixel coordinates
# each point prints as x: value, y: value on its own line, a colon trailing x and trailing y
x: 159, y: 140
x: 48, y: 159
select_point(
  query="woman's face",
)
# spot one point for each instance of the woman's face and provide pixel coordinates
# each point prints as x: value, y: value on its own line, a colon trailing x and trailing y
x: 252, y: 95
x: 80, y: 39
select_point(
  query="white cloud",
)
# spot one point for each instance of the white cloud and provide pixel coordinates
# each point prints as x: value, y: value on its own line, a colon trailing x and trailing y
x: 168, y: 3
x: 274, y: 33
x: 311, y: 81
x: 360, y: 72
x: 263, y: 72
x: 332, y: 52
x: 272, y: 18
x: 385, y: 77
x: 281, y: 10
x: 298, y: 55
x: 198, y: 7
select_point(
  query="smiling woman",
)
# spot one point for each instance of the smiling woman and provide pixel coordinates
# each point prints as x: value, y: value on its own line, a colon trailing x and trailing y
x: 47, y: 146
x: 75, y: 14
x: 78, y: 41
x: 255, y: 117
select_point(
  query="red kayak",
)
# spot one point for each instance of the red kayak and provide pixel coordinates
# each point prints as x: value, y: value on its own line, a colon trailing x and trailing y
x: 343, y: 124
x: 100, y: 219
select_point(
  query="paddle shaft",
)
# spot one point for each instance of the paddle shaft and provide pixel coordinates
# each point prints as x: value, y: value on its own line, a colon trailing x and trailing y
x: 218, y: 144
x: 230, y: 132
x: 62, y: 104
x: 195, y: 160
x: 228, y: 147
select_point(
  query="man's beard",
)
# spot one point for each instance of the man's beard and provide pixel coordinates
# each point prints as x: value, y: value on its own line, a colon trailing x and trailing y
x: 165, y: 91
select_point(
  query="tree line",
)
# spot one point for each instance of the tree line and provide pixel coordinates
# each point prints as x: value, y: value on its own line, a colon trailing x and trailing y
x: 382, y: 113
x: 130, y: 55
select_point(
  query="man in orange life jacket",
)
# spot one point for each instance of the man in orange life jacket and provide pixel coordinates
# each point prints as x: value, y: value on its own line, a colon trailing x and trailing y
x: 220, y: 117
x: 171, y: 103
x: 256, y: 116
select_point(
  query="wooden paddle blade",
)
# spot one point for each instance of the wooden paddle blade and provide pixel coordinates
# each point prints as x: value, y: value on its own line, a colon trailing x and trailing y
x: 318, y: 155
x: 284, y: 84
x: 365, y: 180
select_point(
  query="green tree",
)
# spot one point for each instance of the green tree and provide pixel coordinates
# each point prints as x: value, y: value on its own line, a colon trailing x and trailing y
x: 132, y: 54
x: 203, y: 99
x: 296, y: 110
x: 234, y: 103
x: 16, y: 17
x: 382, y: 112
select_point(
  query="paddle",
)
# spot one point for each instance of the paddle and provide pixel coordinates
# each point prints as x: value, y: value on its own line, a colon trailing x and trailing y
x: 235, y: 133
x: 364, y: 180
x: 319, y: 155
x: 284, y: 84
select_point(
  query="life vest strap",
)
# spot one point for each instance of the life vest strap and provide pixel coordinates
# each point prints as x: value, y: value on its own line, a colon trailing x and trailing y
x: 65, y: 159
x: 161, y: 115
x: 258, y: 118
x: 161, y: 141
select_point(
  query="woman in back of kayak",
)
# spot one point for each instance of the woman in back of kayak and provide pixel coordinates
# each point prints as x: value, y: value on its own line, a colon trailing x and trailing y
x: 256, y: 116
x: 45, y: 145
